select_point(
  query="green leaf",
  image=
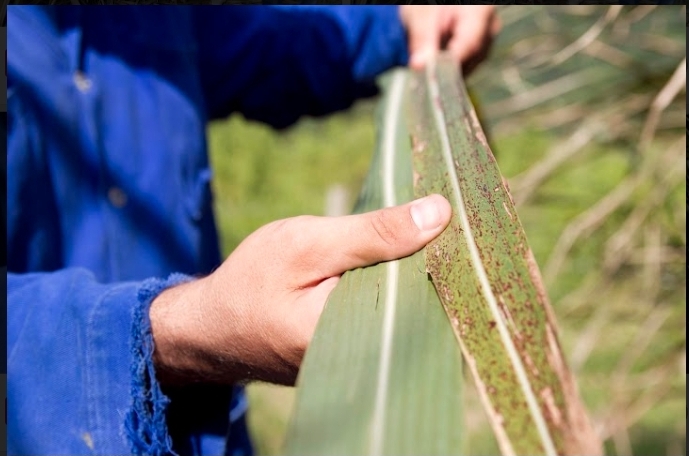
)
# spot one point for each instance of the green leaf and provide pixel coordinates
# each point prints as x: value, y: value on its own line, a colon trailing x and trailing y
x: 383, y: 372
x: 488, y: 280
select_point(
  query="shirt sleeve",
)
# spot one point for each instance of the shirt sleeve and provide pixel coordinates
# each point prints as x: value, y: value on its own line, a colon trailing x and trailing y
x: 80, y: 368
x: 275, y: 64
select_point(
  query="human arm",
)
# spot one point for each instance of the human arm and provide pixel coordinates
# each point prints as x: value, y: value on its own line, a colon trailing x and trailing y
x: 108, y: 351
x: 79, y: 362
x: 253, y: 317
x: 465, y: 31
x: 275, y: 64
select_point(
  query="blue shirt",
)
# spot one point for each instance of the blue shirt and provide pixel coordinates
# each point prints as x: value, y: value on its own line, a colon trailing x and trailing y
x: 109, y: 200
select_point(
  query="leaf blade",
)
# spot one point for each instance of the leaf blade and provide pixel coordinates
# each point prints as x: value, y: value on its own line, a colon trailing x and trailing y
x: 365, y: 389
x: 487, y: 279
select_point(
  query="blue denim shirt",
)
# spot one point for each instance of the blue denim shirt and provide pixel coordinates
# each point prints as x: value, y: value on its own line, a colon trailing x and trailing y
x: 109, y: 201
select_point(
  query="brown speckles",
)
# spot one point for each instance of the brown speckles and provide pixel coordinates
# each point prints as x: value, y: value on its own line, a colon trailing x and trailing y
x: 455, y: 321
x: 504, y: 205
x: 507, y: 190
x: 447, y: 294
x: 499, y: 418
x: 478, y: 131
x: 416, y: 176
x: 502, y: 247
x: 530, y: 364
x: 418, y: 145
x: 552, y: 410
x: 506, y: 313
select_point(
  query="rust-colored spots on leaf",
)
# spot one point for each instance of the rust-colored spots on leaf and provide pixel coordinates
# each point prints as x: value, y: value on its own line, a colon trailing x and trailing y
x: 416, y: 176
x: 506, y: 186
x: 418, y: 145
x: 478, y: 131
x: 509, y: 214
x: 552, y: 410
x: 520, y: 373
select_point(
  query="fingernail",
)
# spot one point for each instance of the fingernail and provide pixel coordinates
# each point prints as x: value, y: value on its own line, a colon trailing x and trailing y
x: 426, y: 214
x: 420, y: 58
x: 417, y: 60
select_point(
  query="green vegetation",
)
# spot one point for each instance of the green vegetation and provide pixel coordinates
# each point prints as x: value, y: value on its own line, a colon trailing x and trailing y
x: 619, y: 294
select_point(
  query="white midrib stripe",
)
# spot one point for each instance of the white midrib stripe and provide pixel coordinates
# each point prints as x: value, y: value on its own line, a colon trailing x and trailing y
x: 392, y: 268
x: 531, y: 401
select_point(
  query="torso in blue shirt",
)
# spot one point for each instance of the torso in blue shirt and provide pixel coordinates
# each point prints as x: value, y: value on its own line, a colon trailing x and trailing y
x: 109, y: 118
x: 107, y: 163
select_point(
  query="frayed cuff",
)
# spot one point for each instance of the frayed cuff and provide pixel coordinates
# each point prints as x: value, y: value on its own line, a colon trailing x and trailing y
x: 145, y: 424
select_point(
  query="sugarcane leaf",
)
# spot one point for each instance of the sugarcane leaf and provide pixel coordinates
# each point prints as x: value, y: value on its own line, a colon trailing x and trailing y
x: 488, y: 280
x: 383, y: 372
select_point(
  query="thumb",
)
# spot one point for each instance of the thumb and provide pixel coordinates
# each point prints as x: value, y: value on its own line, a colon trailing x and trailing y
x: 338, y: 244
x: 424, y: 34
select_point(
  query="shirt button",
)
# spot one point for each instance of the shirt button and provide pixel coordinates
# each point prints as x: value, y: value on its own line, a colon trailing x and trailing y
x: 117, y: 197
x: 81, y: 81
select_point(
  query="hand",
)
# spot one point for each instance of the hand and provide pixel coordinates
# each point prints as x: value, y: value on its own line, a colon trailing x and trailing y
x: 253, y: 318
x: 465, y: 31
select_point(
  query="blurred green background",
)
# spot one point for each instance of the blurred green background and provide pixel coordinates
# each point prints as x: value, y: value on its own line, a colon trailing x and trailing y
x: 584, y: 107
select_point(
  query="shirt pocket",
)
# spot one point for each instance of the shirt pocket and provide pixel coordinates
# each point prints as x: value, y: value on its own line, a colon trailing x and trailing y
x: 199, y: 197
x: 158, y: 48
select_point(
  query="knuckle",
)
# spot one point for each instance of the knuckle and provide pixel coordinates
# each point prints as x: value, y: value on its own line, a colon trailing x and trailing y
x: 384, y: 225
x: 474, y: 46
x: 289, y: 229
x: 295, y: 238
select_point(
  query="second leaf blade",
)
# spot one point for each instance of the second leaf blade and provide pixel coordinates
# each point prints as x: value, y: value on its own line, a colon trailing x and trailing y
x: 383, y: 372
x: 488, y: 280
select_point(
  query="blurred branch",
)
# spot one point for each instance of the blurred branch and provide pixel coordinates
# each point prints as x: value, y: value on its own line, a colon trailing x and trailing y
x: 660, y: 44
x: 525, y: 184
x: 586, y: 222
x: 663, y: 253
x: 510, y: 14
x: 623, y: 446
x: 653, y: 260
x: 589, y: 220
x: 542, y: 93
x: 644, y: 335
x: 513, y: 80
x: 609, y: 54
x: 619, y: 245
x: 623, y: 415
x: 588, y: 37
x: 638, y: 13
x: 677, y: 81
x: 589, y: 337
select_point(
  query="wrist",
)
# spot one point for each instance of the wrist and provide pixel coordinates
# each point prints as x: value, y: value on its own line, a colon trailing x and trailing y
x: 178, y: 343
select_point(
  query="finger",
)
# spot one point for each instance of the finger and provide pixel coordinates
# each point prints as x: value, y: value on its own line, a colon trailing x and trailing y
x: 496, y: 25
x: 305, y: 315
x: 424, y: 35
x: 329, y: 246
x: 318, y: 295
x: 472, y: 36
